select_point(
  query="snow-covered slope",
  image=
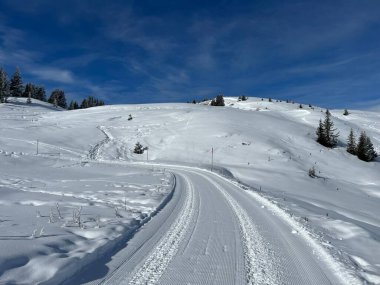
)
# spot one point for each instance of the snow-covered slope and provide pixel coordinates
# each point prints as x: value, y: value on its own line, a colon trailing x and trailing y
x: 267, y: 145
x: 58, y: 213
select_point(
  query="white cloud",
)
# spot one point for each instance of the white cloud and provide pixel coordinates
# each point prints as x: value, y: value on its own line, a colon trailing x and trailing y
x: 52, y: 74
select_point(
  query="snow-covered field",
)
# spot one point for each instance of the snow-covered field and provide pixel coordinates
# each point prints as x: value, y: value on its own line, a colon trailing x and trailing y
x: 84, y: 168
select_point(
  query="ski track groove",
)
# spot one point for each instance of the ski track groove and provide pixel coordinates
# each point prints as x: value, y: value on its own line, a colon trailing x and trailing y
x: 157, y: 262
x: 259, y: 264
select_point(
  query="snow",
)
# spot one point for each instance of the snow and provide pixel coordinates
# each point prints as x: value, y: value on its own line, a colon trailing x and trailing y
x: 85, y: 159
x: 40, y: 193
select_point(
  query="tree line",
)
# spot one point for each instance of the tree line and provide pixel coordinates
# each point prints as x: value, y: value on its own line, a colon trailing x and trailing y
x: 14, y: 87
x: 88, y: 102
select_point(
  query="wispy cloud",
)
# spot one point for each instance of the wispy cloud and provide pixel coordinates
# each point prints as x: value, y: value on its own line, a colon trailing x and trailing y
x: 52, y: 74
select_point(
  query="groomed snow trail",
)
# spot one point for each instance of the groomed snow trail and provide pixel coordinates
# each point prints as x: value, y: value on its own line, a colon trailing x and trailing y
x: 155, y: 265
x: 213, y: 232
x: 263, y: 272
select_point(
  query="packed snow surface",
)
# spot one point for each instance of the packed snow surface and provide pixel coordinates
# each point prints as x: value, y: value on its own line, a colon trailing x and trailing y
x: 78, y: 206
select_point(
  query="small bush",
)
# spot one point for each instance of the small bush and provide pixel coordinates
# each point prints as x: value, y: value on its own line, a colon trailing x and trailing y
x: 312, y: 172
x: 139, y: 149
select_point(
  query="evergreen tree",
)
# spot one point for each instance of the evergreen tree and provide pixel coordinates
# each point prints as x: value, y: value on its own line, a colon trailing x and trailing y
x: 29, y: 89
x: 361, y: 148
x: 346, y: 112
x: 4, y: 86
x: 58, y: 98
x: 270, y: 99
x: 301, y: 106
x: 84, y: 104
x: 40, y: 94
x: 351, y: 143
x: 71, y: 105
x: 15, y: 86
x: 91, y: 101
x: 321, y: 133
x: 331, y: 137
x: 218, y: 101
x: 370, y: 150
x: 365, y: 150
x: 29, y: 100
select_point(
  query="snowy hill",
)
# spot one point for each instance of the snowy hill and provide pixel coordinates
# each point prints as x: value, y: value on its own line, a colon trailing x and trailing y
x: 269, y: 146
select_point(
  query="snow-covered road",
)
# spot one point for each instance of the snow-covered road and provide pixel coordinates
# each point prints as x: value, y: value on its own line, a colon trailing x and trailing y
x: 213, y: 232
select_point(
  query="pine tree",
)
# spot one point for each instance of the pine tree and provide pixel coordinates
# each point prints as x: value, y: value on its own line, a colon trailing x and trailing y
x: 29, y: 100
x: 301, y: 106
x: 84, y: 104
x: 91, y: 101
x: 71, y: 105
x: 40, y: 94
x: 361, y: 148
x: 331, y: 137
x: 58, y: 98
x: 351, y: 143
x: 29, y: 89
x: 4, y: 86
x: 365, y: 149
x: 370, y: 151
x: 218, y: 101
x: 321, y: 133
x: 15, y: 86
x: 346, y: 112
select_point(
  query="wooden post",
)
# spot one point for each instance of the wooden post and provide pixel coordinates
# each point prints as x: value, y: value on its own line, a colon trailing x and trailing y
x: 212, y: 159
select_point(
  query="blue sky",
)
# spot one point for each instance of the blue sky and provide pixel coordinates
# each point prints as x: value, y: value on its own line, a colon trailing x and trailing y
x: 318, y: 52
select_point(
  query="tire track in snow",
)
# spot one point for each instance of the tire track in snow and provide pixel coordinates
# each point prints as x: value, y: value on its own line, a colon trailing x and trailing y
x: 156, y: 263
x: 259, y: 263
